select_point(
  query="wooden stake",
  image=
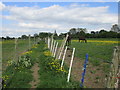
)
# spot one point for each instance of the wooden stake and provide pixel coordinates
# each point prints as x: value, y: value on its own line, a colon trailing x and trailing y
x: 29, y: 42
x: 55, y: 49
x: 63, y: 57
x: 48, y: 42
x: 63, y: 47
x: 51, y: 44
x: 15, y: 48
x: 68, y: 78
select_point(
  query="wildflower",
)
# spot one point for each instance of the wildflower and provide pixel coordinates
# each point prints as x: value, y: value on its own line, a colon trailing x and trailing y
x: 4, y: 85
x: 47, y: 53
x: 28, y: 52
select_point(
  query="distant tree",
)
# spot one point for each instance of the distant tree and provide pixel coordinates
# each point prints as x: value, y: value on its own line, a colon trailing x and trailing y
x: 82, y: 29
x: 92, y: 32
x: 36, y: 35
x: 24, y: 36
x: 72, y: 31
x: 43, y: 35
x: 103, y: 34
x: 55, y: 35
x: 8, y: 38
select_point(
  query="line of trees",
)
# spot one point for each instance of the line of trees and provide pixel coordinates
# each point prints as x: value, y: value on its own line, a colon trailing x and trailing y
x: 75, y: 33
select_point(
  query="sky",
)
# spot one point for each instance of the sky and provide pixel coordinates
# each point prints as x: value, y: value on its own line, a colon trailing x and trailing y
x: 20, y: 18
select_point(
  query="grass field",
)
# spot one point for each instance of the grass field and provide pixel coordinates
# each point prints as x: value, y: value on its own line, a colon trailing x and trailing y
x: 8, y: 49
x: 18, y: 75
x: 50, y: 75
x: 99, y: 50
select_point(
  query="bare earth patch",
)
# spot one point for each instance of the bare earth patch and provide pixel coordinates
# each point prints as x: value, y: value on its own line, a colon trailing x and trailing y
x: 35, y: 74
x: 94, y: 78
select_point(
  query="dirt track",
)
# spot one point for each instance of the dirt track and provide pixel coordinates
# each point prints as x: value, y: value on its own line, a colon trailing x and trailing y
x: 92, y: 80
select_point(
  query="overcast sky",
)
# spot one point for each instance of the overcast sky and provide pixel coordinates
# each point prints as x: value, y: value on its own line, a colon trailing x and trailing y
x: 33, y: 17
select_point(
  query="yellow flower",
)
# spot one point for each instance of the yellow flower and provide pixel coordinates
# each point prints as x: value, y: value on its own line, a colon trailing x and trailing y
x: 103, y: 41
x: 47, y: 53
x: 4, y: 85
x: 28, y: 52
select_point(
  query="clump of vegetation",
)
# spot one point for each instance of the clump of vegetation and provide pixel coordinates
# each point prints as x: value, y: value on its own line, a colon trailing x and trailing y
x: 18, y: 73
x: 51, y: 74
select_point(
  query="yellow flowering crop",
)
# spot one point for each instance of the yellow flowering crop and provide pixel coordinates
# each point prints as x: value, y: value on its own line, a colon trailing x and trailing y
x: 35, y: 46
x: 28, y: 52
x: 47, y: 53
x: 103, y: 41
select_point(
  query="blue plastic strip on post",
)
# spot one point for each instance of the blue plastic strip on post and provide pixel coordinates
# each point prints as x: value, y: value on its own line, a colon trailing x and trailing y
x: 84, y: 71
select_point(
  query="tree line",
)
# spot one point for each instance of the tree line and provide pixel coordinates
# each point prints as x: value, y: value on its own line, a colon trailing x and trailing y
x: 74, y: 32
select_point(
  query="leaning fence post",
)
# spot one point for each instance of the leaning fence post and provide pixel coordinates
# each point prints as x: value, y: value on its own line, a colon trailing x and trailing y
x: 63, y: 57
x: 29, y: 42
x: 51, y: 44
x: 63, y: 47
x: 16, y: 40
x: 55, y: 49
x: 68, y: 78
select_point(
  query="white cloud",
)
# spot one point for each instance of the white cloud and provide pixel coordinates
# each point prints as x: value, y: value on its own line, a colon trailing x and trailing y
x: 60, y: 18
x: 2, y: 6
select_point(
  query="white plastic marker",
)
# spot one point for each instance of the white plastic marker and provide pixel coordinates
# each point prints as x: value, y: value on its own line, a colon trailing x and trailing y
x: 57, y: 56
x: 63, y: 47
x: 16, y: 42
x: 55, y: 49
x: 29, y: 42
x: 48, y: 42
x: 68, y: 78
x: 51, y: 44
x: 34, y: 40
x: 63, y: 57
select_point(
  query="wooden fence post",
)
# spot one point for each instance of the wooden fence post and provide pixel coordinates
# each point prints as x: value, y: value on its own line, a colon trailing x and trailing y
x: 113, y: 79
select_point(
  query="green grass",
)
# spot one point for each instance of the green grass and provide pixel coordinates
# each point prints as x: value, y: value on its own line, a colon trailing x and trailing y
x: 8, y: 50
x: 50, y: 78
x: 99, y: 52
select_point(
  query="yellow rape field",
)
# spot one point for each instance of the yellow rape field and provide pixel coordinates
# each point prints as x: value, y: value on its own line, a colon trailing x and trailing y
x: 103, y: 41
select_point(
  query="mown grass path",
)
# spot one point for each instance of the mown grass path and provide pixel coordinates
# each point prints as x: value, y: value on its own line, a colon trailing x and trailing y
x: 35, y: 74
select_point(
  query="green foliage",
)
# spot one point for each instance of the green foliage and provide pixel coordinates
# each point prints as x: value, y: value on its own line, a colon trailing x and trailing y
x: 95, y: 62
x: 51, y: 75
x: 18, y: 74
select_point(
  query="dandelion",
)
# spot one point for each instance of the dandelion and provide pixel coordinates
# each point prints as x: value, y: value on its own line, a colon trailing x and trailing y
x: 47, y: 53
x: 4, y: 85
x: 28, y: 52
